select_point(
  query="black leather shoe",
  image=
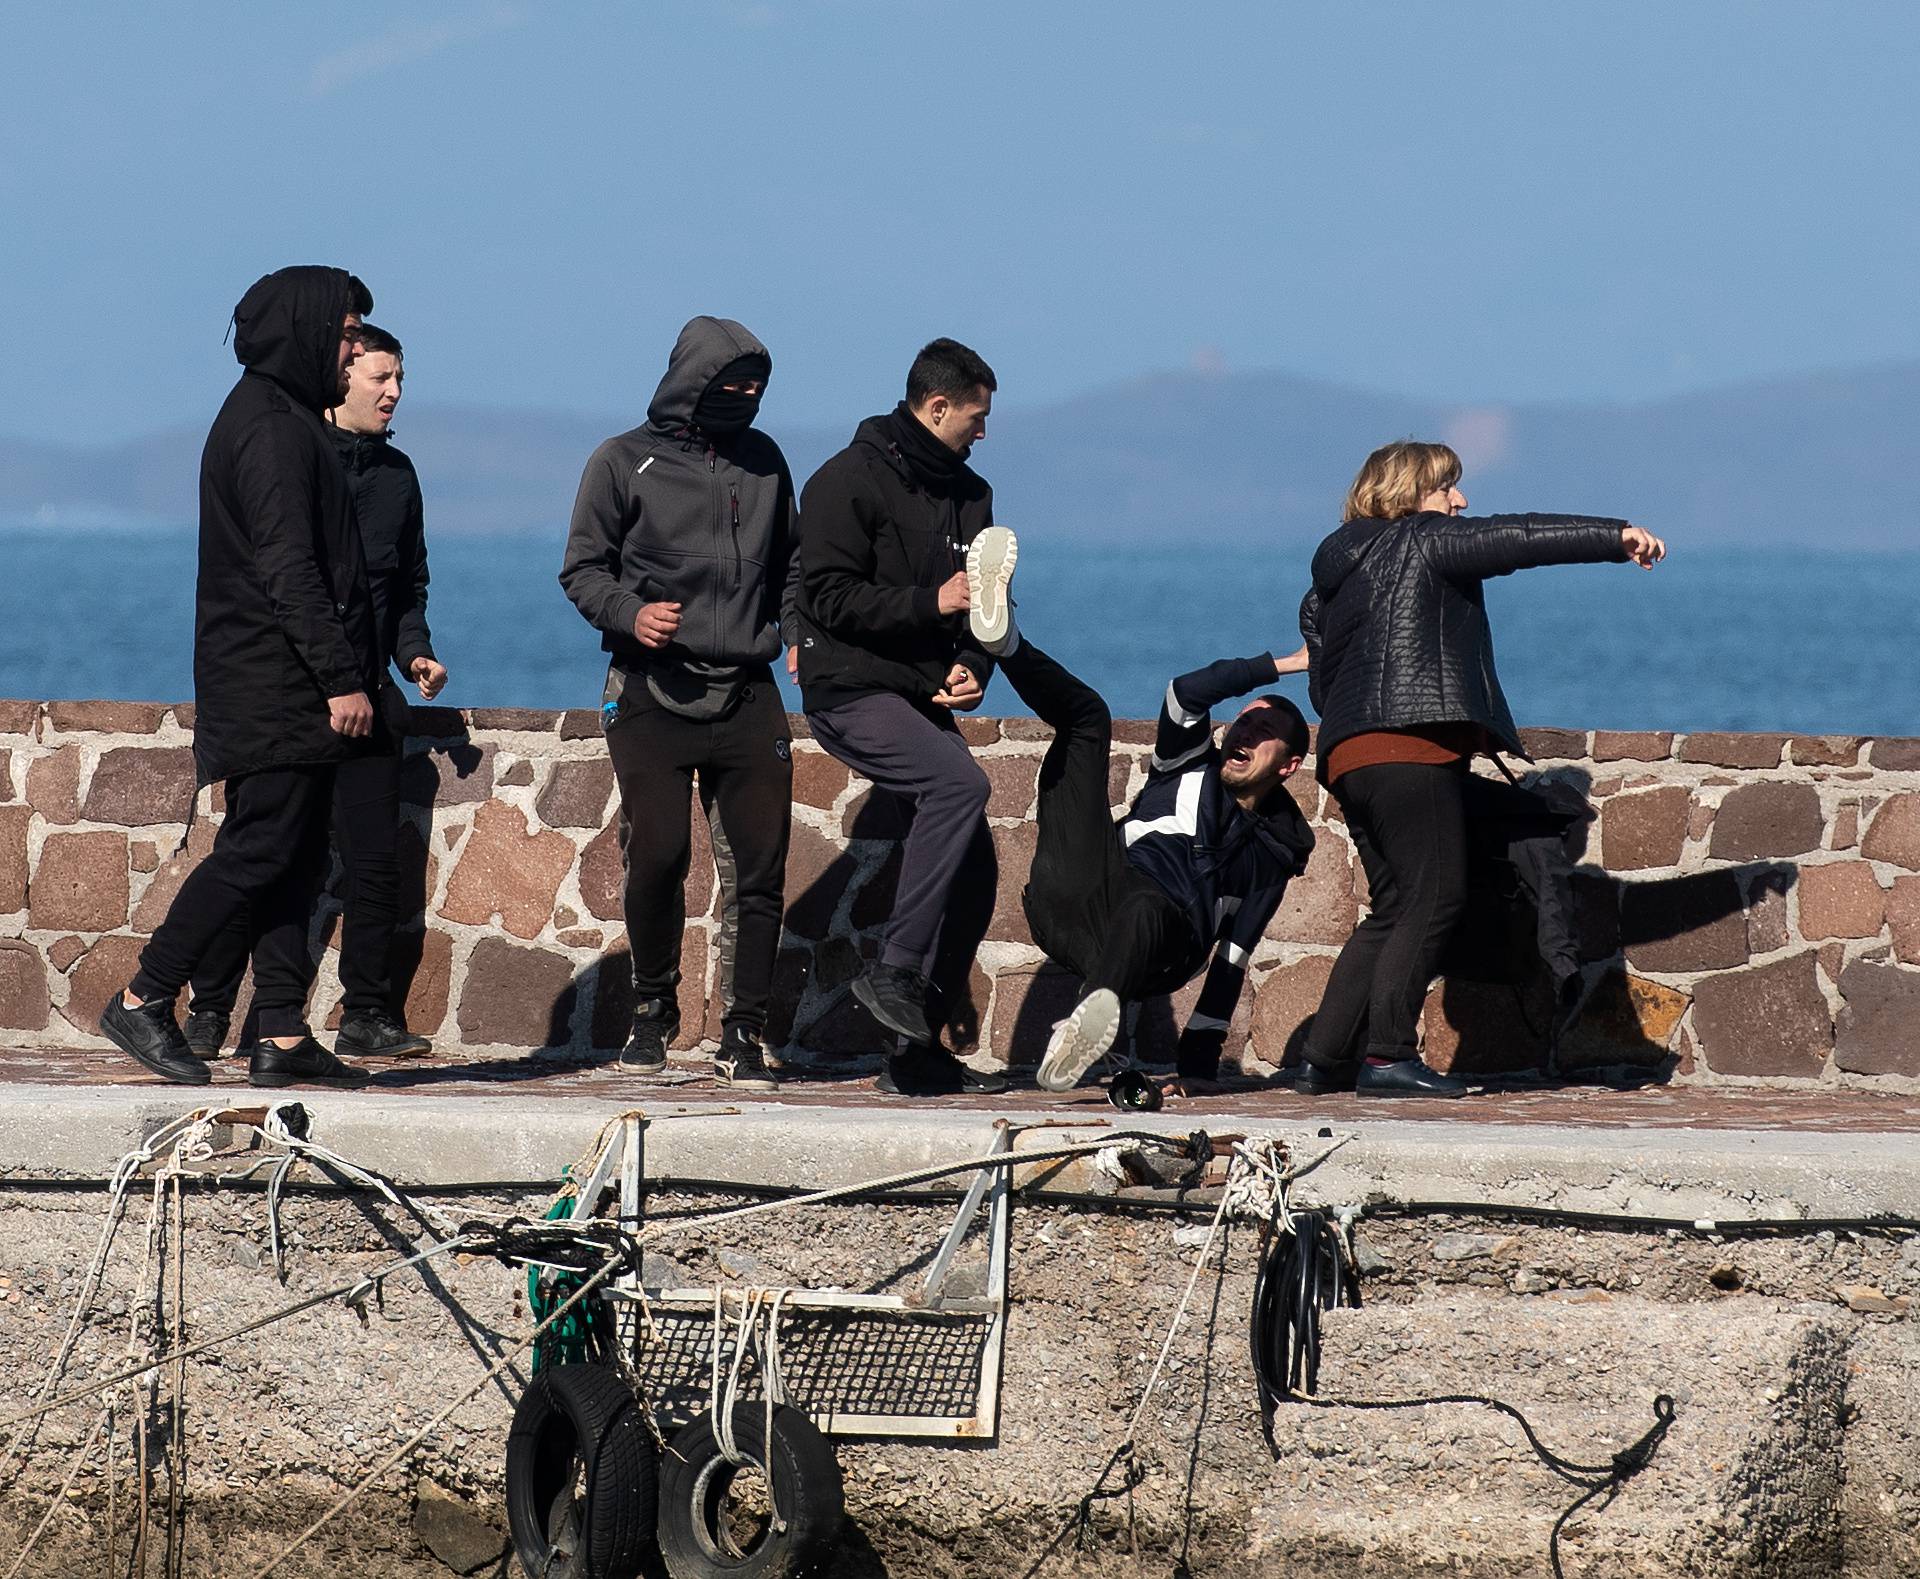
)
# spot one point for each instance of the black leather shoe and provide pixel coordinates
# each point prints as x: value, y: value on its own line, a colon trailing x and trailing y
x: 1320, y: 1080
x: 207, y: 1032
x: 377, y: 1034
x: 922, y: 1071
x: 151, y: 1037
x: 306, y: 1063
x: 1407, y: 1078
x: 897, y: 998
x: 656, y: 1021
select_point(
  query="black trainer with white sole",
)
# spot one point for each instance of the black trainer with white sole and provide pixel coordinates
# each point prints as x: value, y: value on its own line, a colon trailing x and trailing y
x: 656, y: 1021
x: 991, y: 557
x: 377, y: 1034
x: 741, y: 1061
x: 897, y: 998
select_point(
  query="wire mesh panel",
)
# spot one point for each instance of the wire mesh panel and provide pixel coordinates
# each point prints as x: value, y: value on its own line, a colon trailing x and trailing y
x: 868, y: 1369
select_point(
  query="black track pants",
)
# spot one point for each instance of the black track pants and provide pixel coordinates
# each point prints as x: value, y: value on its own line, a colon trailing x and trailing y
x: 366, y: 823
x: 1091, y: 911
x: 744, y: 766
x: 264, y: 874
x: 1408, y: 822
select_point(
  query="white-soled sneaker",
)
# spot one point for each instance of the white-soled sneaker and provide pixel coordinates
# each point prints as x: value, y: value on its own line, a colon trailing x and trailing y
x: 991, y: 557
x: 1080, y: 1041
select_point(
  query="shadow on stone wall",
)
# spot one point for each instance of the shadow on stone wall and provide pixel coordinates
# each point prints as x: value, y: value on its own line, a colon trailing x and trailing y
x: 1496, y: 1007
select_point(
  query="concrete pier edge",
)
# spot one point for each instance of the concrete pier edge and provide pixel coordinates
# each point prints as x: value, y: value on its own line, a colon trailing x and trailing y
x: 57, y: 1133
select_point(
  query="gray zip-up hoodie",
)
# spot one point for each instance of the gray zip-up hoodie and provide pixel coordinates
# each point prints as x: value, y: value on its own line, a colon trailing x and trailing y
x: 666, y: 514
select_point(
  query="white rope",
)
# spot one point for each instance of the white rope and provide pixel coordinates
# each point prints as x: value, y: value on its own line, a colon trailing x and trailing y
x: 275, y: 1129
x: 992, y: 1159
x: 191, y: 1138
x: 59, y: 1501
x: 722, y: 1400
x: 412, y: 1442
x: 1180, y: 1312
x: 1259, y: 1185
x: 355, y: 1292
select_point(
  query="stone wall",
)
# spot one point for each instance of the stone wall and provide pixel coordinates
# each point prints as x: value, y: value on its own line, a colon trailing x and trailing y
x: 1750, y: 902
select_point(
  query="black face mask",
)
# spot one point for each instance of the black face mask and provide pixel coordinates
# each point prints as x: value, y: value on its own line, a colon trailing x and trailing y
x: 721, y: 412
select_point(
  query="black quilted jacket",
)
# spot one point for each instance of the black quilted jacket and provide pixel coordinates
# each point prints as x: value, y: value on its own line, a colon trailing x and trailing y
x: 1396, y: 620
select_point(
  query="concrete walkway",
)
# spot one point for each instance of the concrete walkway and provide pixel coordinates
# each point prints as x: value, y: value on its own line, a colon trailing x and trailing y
x: 1687, y: 1152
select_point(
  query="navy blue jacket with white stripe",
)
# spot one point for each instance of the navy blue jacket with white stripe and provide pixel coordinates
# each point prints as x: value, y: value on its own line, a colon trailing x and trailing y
x: 1227, y: 868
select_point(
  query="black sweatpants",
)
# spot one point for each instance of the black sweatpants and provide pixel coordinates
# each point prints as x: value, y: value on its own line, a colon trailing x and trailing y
x: 263, y: 873
x: 1092, y: 911
x: 1409, y: 824
x: 366, y: 824
x: 745, y: 769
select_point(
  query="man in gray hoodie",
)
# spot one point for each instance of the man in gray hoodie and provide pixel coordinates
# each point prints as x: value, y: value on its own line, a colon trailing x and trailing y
x: 679, y: 554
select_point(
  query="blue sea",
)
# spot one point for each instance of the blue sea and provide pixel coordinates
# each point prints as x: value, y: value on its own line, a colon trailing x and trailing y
x: 1713, y: 639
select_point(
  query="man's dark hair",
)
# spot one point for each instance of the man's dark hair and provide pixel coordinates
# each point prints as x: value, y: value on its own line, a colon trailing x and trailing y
x: 374, y: 338
x: 1296, y: 736
x: 359, y: 298
x: 946, y: 367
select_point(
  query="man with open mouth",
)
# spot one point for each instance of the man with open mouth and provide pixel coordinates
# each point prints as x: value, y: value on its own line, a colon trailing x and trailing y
x: 1187, y: 880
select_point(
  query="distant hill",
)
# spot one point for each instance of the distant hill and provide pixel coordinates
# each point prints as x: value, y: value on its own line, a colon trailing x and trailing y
x: 1826, y: 459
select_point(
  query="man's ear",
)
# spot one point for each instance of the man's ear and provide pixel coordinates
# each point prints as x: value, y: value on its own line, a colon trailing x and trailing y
x: 1290, y: 767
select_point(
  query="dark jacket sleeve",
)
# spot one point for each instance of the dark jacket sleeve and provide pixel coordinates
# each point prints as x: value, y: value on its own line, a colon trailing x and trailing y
x: 1469, y: 547
x: 837, y: 563
x: 789, y: 575
x: 1310, y: 634
x: 590, y: 573
x: 413, y: 640
x: 1186, y: 723
x: 272, y: 475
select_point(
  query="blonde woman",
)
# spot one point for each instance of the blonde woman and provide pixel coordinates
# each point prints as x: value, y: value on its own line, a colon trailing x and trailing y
x: 1400, y: 666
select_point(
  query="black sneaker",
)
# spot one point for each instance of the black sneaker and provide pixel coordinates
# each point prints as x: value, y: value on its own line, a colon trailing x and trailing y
x: 918, y: 1070
x: 374, y: 1033
x: 207, y: 1032
x: 306, y: 1063
x: 897, y: 998
x: 741, y: 1061
x: 656, y: 1021
x: 151, y: 1037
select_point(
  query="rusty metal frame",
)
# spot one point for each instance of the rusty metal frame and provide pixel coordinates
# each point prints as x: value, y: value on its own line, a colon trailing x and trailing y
x: 624, y: 1157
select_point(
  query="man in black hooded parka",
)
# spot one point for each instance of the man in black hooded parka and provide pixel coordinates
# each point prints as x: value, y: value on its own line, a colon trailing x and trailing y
x: 285, y: 665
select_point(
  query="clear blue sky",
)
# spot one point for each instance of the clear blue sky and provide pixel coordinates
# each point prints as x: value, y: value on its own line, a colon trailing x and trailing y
x: 1478, y: 200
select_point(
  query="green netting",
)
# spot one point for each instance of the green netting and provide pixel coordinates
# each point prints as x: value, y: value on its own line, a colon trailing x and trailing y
x: 571, y: 1339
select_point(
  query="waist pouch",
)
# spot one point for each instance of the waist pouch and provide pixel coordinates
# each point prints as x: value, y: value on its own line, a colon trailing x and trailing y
x: 703, y: 694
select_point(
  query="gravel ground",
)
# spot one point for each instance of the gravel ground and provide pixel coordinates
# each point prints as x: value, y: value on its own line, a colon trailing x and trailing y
x: 1793, y: 1452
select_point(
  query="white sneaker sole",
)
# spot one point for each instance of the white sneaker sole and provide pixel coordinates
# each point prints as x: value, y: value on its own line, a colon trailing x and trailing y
x: 990, y: 560
x: 1080, y: 1042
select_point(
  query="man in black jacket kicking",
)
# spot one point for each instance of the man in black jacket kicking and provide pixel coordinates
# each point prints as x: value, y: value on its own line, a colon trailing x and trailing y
x: 285, y: 666
x: 899, y: 544
x: 1187, y: 880
x: 366, y: 788
x: 680, y: 555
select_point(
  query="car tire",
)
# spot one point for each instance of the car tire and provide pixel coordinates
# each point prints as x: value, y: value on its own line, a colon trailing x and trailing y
x: 582, y: 1475
x: 704, y: 1534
